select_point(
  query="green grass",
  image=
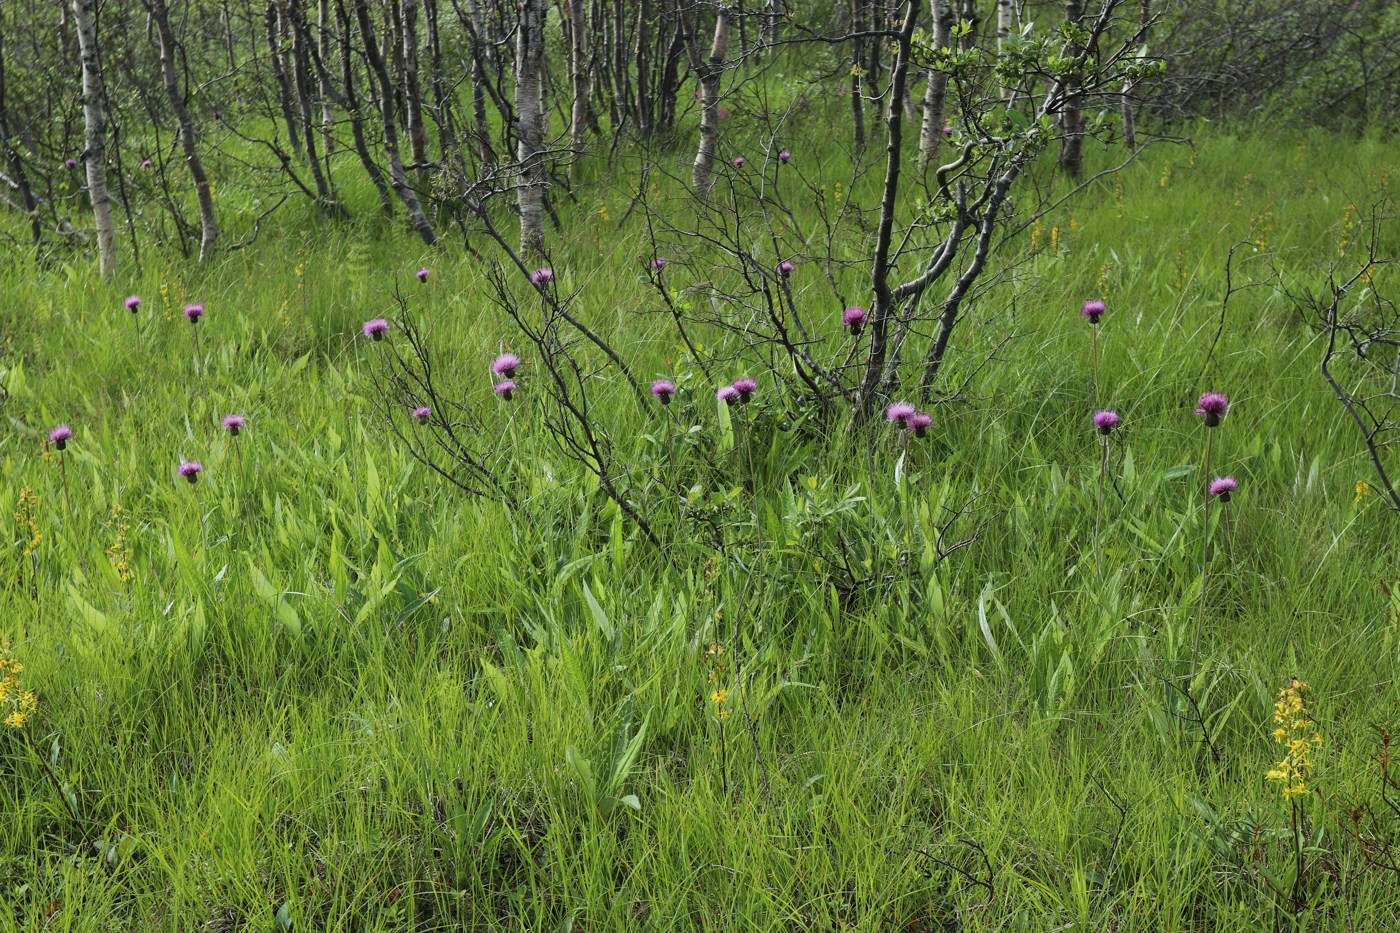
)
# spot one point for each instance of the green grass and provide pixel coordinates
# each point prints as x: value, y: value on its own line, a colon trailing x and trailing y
x: 335, y: 687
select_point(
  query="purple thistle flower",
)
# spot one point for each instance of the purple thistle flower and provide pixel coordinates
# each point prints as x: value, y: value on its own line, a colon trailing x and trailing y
x: 728, y: 395
x: 375, y: 329
x: 658, y: 263
x: 1106, y: 420
x: 947, y: 130
x: 784, y: 156
x: 918, y: 423
x: 1093, y: 310
x: 422, y: 413
x: 132, y: 303
x: 505, y: 365
x: 60, y: 435
x: 899, y: 413
x: 663, y: 389
x: 421, y: 275
x: 70, y: 163
x: 218, y: 114
x: 234, y: 423
x: 1222, y: 486
x: 854, y: 319
x: 739, y: 161
x: 541, y: 277
x: 746, y: 388
x: 785, y: 268
x: 504, y: 388
x: 190, y: 470
x: 1214, y: 406
x: 194, y: 313
x: 145, y: 163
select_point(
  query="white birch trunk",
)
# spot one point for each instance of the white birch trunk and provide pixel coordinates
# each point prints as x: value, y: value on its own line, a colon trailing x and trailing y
x: 529, y: 60
x: 578, y: 74
x: 710, y: 72
x: 95, y: 137
x: 936, y: 91
x: 209, y: 226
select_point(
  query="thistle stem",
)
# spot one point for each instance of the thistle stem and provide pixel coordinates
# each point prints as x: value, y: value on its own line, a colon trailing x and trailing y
x: 1205, y: 548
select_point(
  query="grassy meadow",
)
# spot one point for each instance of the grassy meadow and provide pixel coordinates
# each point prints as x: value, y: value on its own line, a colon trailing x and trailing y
x: 322, y: 689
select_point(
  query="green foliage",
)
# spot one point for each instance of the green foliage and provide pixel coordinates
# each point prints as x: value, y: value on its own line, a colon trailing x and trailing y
x: 335, y: 693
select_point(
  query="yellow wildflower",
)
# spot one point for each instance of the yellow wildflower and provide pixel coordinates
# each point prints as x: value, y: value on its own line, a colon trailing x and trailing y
x: 1296, y: 733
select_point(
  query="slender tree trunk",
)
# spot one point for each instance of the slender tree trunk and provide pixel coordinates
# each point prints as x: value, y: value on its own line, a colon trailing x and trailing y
x: 883, y: 311
x: 10, y: 147
x: 306, y: 110
x: 398, y: 178
x: 529, y: 62
x: 936, y: 91
x: 1071, y: 119
x: 578, y: 74
x: 1129, y: 123
x: 208, y: 223
x: 642, y: 56
x: 323, y: 31
x: 857, y: 48
x: 273, y: 21
x: 1006, y: 16
x: 95, y: 136
x: 412, y: 93
x: 357, y: 120
x: 709, y: 72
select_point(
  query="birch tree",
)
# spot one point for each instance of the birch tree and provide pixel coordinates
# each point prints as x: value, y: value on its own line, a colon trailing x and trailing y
x: 936, y: 90
x: 530, y: 124
x: 709, y: 71
x: 95, y: 136
x: 165, y: 44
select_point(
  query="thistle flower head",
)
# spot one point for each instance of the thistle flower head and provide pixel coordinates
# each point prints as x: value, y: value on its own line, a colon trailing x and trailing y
x: 70, y: 163
x: 1222, y: 486
x: 727, y: 394
x: 194, y: 312
x: 663, y: 389
x: 132, y: 303
x: 1213, y: 406
x: 899, y: 413
x: 145, y: 163
x: 785, y: 268
x: 919, y: 423
x: 504, y: 388
x: 234, y: 423
x: 658, y: 263
x: 190, y: 470
x: 1093, y: 310
x: 60, y: 435
x: 947, y: 130
x: 854, y: 319
x: 1106, y: 420
x: 784, y: 156
x: 422, y: 413
x: 746, y: 388
x: 542, y: 277
x: 739, y: 161
x: 421, y: 275
x: 505, y: 364
x: 376, y: 329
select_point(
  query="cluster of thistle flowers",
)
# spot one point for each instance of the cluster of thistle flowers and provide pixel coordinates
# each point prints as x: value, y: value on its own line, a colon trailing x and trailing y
x: 1296, y: 732
x: 189, y: 469
x: 503, y: 368
x: 16, y: 704
x: 1212, y: 406
x: 715, y: 657
x: 906, y: 417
